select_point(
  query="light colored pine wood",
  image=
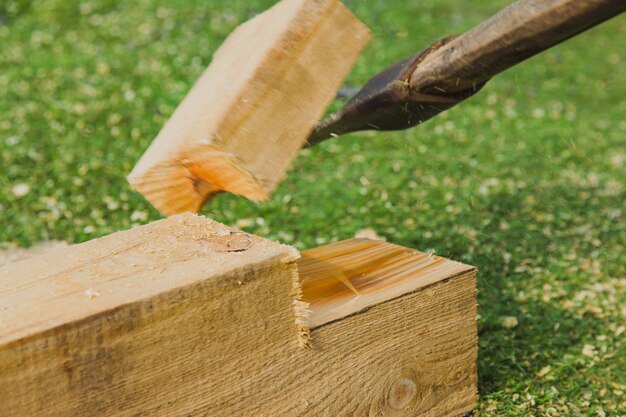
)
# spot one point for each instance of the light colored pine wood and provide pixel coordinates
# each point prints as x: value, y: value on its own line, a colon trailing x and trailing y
x: 405, y: 346
x: 251, y: 111
x: 153, y: 320
x: 188, y: 317
x: 355, y: 274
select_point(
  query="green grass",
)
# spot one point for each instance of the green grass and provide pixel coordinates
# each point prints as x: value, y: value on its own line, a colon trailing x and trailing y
x: 527, y: 180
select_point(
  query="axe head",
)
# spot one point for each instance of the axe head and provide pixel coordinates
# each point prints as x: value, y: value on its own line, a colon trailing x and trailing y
x: 391, y: 100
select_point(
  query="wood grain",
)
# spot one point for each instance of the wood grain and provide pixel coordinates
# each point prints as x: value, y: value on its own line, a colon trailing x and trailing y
x: 189, y: 317
x: 455, y: 68
x: 251, y: 111
x: 414, y: 355
x: 522, y: 30
x: 352, y: 275
x: 173, y: 309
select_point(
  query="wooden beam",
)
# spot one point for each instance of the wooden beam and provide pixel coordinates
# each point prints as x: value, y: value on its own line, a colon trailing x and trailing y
x: 187, y: 316
x: 251, y: 111
x: 143, y: 321
x: 406, y: 345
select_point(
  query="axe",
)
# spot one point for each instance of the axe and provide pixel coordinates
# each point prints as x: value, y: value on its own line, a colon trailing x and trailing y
x: 258, y: 102
x: 457, y: 67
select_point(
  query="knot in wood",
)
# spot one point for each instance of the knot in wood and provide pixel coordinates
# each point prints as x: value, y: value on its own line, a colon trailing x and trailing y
x: 402, y: 393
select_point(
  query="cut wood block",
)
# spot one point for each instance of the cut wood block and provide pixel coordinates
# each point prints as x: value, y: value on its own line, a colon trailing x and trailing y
x: 157, y: 320
x: 189, y: 317
x: 249, y: 114
x: 406, y: 345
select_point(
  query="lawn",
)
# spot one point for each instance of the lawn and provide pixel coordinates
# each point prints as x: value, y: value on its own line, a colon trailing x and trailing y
x: 526, y: 180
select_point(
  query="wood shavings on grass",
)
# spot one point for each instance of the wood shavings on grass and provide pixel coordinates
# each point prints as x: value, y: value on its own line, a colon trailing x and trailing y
x: 369, y: 233
x: 20, y: 190
x: 509, y: 322
x: 589, y: 350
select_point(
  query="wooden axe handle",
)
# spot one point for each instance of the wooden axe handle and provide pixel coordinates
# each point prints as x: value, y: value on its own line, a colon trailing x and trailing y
x: 455, y: 68
x: 518, y: 32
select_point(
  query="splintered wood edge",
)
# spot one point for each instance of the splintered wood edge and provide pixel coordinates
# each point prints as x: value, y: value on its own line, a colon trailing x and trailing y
x: 186, y: 183
x: 82, y: 281
x: 345, y: 278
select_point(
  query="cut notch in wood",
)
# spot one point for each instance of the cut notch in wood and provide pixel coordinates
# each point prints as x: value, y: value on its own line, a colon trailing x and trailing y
x: 188, y: 317
x: 250, y: 112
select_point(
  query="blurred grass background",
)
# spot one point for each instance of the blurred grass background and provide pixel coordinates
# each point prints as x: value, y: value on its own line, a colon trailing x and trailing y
x: 526, y: 180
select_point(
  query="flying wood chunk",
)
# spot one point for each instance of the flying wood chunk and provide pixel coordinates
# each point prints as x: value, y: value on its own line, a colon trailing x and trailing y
x: 251, y: 111
x: 189, y: 317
